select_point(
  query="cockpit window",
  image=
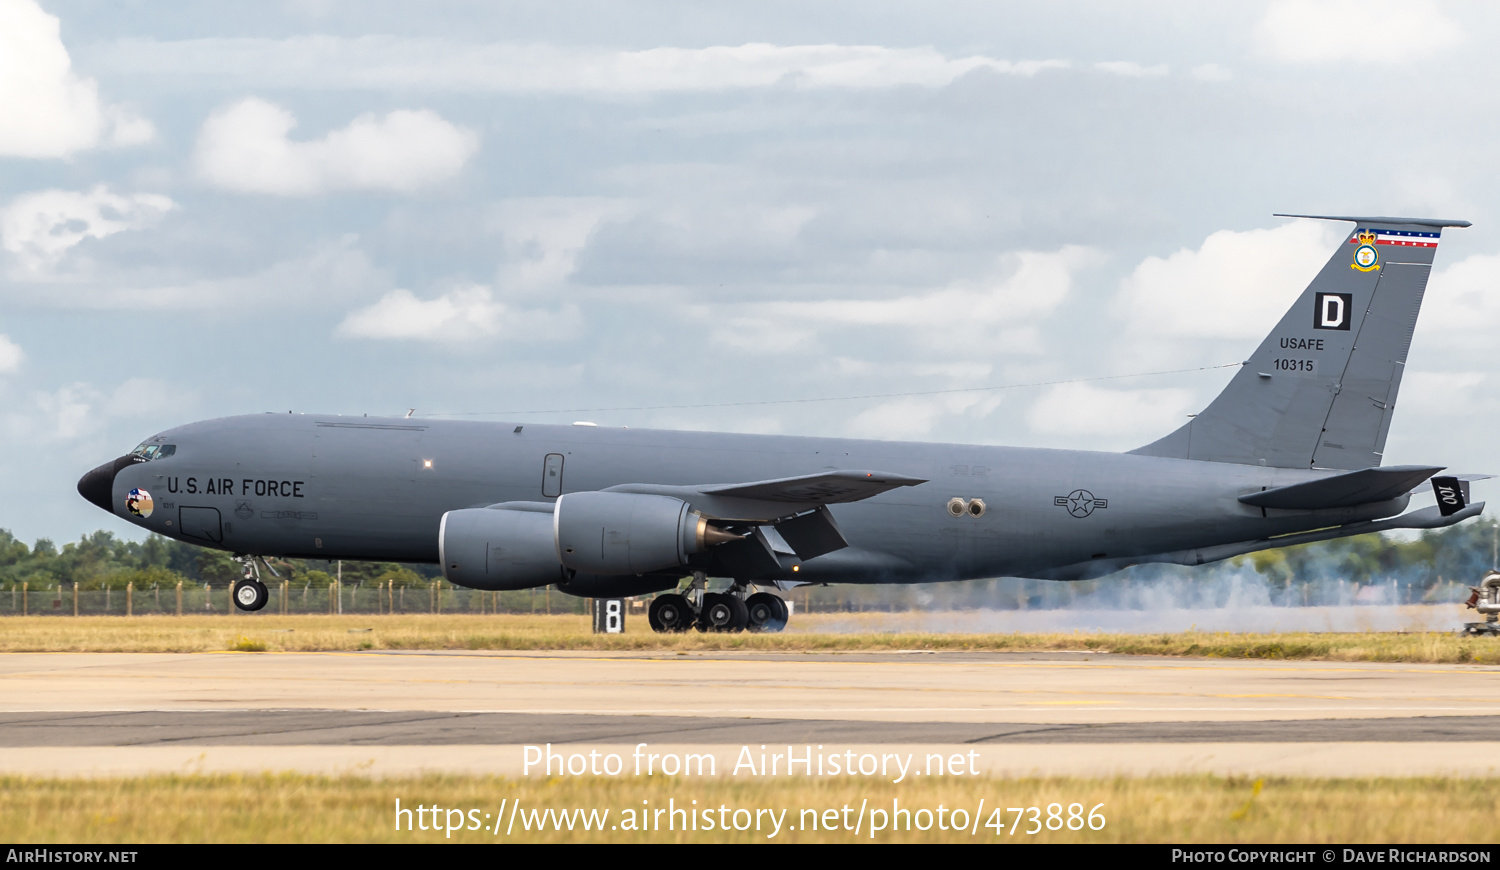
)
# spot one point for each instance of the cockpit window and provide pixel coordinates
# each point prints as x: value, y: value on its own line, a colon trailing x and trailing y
x: 151, y: 450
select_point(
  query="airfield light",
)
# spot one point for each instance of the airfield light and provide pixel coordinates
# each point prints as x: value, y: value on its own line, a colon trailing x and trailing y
x: 427, y: 463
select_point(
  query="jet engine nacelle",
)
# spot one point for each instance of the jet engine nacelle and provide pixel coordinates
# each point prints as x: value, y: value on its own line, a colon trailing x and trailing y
x: 613, y: 533
x: 483, y: 548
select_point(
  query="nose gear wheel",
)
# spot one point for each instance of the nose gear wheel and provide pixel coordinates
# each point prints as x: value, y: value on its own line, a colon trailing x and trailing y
x: 250, y: 594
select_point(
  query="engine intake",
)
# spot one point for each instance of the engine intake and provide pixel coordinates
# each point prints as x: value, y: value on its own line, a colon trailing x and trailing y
x: 484, y: 548
x: 629, y: 533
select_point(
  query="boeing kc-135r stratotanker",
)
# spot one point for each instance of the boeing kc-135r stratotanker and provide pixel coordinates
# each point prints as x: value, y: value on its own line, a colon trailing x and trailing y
x: 1288, y: 453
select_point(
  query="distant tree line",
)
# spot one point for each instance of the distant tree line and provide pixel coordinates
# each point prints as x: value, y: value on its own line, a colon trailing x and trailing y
x: 101, y: 560
x: 1435, y: 565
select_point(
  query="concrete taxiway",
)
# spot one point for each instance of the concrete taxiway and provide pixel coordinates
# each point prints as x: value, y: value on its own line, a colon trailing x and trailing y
x: 1036, y: 713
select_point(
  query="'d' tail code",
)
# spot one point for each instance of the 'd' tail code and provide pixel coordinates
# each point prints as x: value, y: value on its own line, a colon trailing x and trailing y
x: 1320, y: 390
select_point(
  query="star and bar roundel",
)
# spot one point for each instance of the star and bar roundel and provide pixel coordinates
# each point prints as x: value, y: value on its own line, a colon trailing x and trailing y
x: 1080, y: 502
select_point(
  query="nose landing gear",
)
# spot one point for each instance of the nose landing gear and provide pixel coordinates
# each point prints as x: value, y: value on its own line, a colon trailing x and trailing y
x: 249, y: 593
x: 731, y: 611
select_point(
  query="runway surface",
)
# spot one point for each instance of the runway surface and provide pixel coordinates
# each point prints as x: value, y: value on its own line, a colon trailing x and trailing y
x: 415, y: 728
x: 1075, y: 713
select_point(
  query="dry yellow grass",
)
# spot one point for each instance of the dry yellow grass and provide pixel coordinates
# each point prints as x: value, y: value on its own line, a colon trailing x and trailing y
x: 571, y: 632
x: 298, y: 808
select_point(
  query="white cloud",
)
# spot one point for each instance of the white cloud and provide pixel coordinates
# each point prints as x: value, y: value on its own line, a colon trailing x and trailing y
x: 385, y: 62
x: 542, y: 237
x: 63, y: 414
x: 83, y: 411
x: 45, y: 109
x: 1211, y: 72
x: 1430, y: 394
x: 1038, y: 283
x: 1235, y: 285
x: 1462, y: 297
x: 969, y: 322
x: 1460, y: 315
x: 10, y: 355
x: 460, y: 315
x: 1369, y: 31
x: 1131, y: 69
x: 245, y: 147
x: 333, y: 272
x: 915, y: 417
x: 1088, y: 413
x: 39, y: 228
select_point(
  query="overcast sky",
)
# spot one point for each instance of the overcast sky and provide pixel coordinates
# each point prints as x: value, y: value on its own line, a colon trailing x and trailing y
x: 360, y: 207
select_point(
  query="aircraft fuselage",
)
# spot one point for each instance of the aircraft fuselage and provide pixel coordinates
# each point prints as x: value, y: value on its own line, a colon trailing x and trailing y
x: 333, y: 487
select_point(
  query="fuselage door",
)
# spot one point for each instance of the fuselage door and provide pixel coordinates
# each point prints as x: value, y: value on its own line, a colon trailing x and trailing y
x: 202, y: 523
x: 552, y: 470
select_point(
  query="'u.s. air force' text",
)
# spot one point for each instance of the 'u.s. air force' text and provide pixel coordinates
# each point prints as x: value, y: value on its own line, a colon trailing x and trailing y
x: 247, y: 486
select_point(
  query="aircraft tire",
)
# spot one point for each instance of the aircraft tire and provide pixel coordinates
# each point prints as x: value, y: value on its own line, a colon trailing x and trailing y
x: 670, y: 613
x: 251, y: 595
x: 741, y: 613
x: 766, y: 612
x: 722, y: 612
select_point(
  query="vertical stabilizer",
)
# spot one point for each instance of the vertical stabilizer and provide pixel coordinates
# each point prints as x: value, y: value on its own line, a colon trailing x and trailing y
x: 1320, y: 390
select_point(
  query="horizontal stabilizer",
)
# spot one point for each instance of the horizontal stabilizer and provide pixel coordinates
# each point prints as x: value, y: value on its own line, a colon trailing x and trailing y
x: 1438, y: 223
x: 1344, y: 490
x: 830, y: 487
x: 1426, y: 518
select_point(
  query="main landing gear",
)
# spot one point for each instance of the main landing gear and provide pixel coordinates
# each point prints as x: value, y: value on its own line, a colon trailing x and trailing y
x: 249, y: 593
x: 734, y: 610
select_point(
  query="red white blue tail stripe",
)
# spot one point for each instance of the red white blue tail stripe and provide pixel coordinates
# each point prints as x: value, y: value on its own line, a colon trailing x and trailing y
x: 1400, y: 238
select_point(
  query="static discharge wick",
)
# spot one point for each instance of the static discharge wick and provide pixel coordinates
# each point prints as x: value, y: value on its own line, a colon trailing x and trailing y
x: 840, y: 398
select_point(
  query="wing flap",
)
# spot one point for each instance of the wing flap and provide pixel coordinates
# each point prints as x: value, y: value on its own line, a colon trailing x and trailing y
x: 1344, y: 490
x: 812, y: 534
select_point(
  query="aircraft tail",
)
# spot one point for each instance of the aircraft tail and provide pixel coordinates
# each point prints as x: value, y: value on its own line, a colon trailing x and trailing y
x: 1320, y: 390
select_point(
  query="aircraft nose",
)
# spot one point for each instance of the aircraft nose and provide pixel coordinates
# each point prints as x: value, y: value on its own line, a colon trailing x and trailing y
x: 98, y: 485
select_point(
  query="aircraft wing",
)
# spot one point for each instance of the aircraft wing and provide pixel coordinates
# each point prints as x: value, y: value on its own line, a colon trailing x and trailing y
x: 795, y: 506
x: 831, y: 487
x: 1344, y: 490
x: 771, y: 501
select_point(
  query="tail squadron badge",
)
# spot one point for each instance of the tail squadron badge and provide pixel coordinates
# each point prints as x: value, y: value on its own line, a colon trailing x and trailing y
x: 1366, y: 258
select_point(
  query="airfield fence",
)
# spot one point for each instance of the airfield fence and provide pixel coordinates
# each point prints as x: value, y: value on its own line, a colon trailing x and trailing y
x: 198, y: 599
x: 190, y: 598
x: 286, y: 598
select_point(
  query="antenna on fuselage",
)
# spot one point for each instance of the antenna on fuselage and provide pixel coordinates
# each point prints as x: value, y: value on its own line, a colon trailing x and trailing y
x: 409, y: 412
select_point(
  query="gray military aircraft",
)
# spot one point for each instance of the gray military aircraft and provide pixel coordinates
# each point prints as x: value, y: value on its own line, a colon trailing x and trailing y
x: 1288, y: 453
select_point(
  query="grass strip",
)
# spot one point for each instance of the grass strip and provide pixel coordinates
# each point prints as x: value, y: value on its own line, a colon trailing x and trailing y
x: 815, y: 633
x: 295, y: 808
